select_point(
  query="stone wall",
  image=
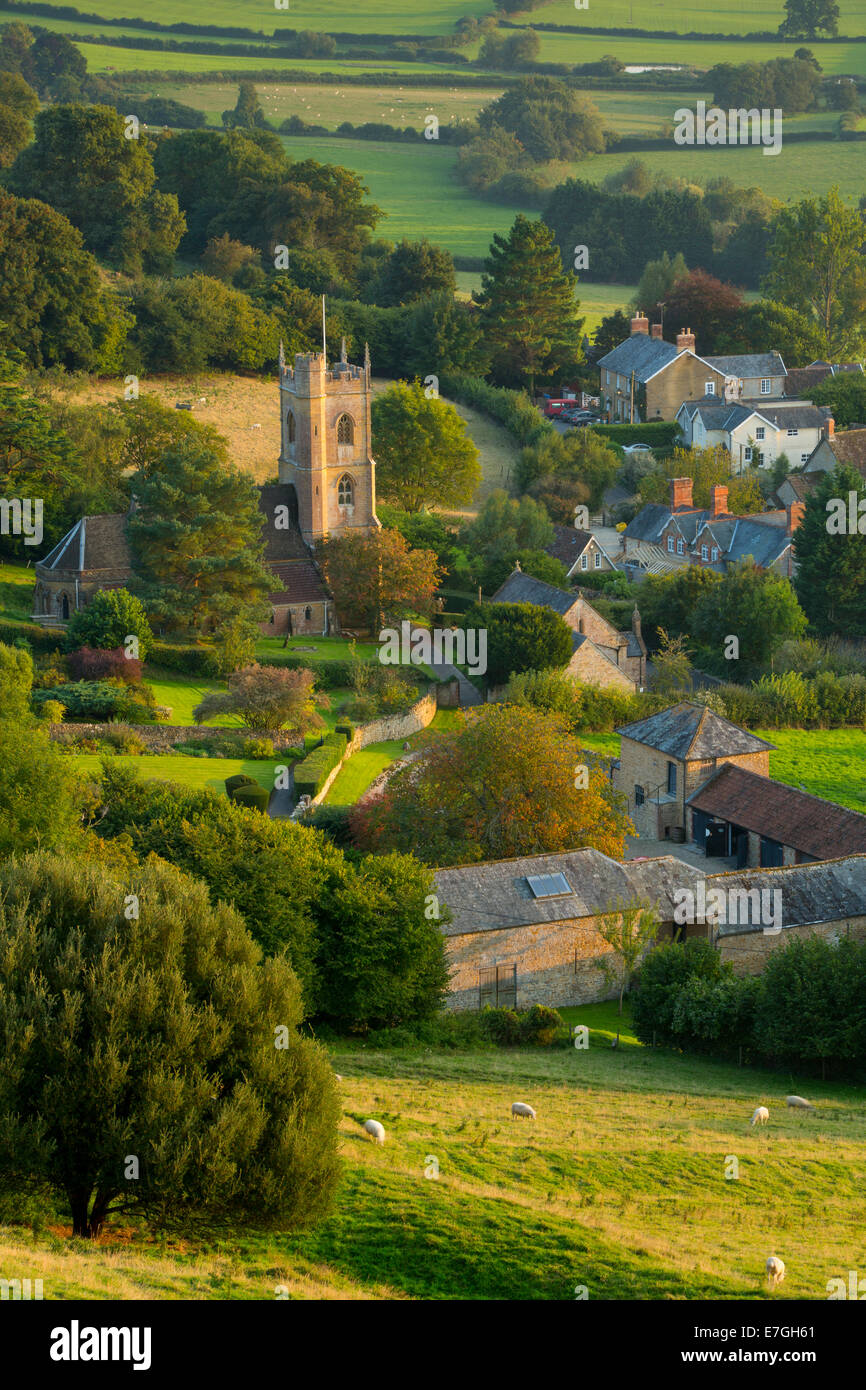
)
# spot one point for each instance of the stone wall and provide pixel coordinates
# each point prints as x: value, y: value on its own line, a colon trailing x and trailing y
x: 160, y: 738
x: 422, y: 713
x: 592, y: 667
x: 748, y: 952
x: 558, y: 963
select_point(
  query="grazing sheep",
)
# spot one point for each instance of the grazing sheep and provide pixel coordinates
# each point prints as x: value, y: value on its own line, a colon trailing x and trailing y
x: 337, y: 1076
x: 519, y: 1107
x: 798, y: 1103
x: 775, y: 1270
x: 761, y: 1116
x: 376, y: 1130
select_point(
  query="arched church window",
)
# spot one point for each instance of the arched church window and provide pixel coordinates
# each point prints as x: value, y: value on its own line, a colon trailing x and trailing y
x: 346, y: 491
x: 290, y: 421
x: 345, y: 430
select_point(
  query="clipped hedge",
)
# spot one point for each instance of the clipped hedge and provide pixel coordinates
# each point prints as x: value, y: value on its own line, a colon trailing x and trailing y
x: 348, y: 730
x: 236, y: 781
x: 39, y: 639
x: 312, y: 774
x: 256, y: 797
x: 188, y: 660
x: 660, y: 433
x: 330, y: 675
x: 512, y: 409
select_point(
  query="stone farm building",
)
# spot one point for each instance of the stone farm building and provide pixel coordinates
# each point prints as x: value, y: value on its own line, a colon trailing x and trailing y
x: 327, y: 487
x: 601, y: 654
x: 525, y: 931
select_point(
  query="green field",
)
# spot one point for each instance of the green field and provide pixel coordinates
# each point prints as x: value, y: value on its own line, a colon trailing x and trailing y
x: 359, y: 771
x: 330, y: 16
x: 16, y: 592
x: 834, y: 58
x: 105, y: 58
x: 619, y: 1185
x: 685, y: 16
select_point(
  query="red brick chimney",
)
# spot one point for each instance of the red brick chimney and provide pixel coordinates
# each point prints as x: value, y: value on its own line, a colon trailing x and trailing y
x: 794, y: 512
x: 829, y: 427
x: 681, y: 493
x: 718, y: 500
x: 657, y: 330
x: 640, y: 323
x: 685, y: 339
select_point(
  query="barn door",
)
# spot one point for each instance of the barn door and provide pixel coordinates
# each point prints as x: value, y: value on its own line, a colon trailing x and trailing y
x: 497, y: 986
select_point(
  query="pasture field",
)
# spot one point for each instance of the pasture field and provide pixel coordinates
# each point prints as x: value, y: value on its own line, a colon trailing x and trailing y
x: 618, y: 1185
x: 329, y: 16
x: 103, y: 57
x: 16, y: 591
x: 837, y: 57
x: 597, y: 300
x: 685, y: 16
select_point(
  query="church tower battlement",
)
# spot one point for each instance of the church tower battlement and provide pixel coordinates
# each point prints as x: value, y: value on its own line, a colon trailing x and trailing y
x: 326, y: 452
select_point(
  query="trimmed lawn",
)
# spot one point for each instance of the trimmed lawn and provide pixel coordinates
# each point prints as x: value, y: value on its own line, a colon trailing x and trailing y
x: 362, y: 769
x: 182, y: 694
x: 186, y: 771
x: 16, y: 592
x: 315, y: 649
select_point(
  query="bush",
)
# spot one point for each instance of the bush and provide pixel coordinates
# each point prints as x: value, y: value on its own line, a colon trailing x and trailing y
x: 112, y: 663
x: 333, y: 821
x: 237, y: 780
x: 53, y: 711
x: 111, y: 616
x: 123, y: 739
x: 37, y: 639
x: 513, y: 409
x: 257, y: 748
x: 188, y: 660
x: 347, y: 729
x: 98, y: 702
x: 510, y: 1027
x: 661, y: 976
x: 255, y: 797
x: 715, y: 1016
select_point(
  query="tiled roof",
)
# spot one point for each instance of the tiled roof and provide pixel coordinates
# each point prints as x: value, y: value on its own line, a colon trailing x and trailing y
x: 802, y: 484
x: 763, y: 537
x: 568, y: 544
x: 807, y: 823
x: 523, y: 588
x: 639, y: 354
x: 801, y: 380
x: 691, y: 731
x: 299, y: 582
x: 281, y: 542
x: 484, y: 897
x: 716, y: 414
x: 811, y: 893
x: 749, y: 364
x: 849, y: 446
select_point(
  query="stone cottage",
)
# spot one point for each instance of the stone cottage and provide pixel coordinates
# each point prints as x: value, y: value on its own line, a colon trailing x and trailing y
x: 601, y: 654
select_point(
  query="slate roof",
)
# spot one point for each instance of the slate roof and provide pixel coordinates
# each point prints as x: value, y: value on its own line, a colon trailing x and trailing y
x: 523, y: 588
x: 811, y: 893
x: 792, y: 817
x: 692, y: 731
x: 749, y: 364
x: 801, y: 380
x: 849, y: 446
x: 716, y: 414
x: 487, y: 897
x: 281, y: 542
x: 568, y: 544
x: 94, y: 544
x: 764, y: 538
x: 639, y: 354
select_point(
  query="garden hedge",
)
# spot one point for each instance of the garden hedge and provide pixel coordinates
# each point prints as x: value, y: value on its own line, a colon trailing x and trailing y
x: 237, y: 780
x: 255, y: 797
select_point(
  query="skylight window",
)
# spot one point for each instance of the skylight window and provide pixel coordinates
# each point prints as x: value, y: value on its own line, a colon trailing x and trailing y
x: 548, y: 885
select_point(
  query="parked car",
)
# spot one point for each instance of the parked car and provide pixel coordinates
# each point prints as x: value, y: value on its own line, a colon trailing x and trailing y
x: 637, y: 448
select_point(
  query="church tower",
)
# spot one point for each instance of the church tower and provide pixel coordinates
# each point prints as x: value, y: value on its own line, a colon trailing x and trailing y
x: 326, y: 453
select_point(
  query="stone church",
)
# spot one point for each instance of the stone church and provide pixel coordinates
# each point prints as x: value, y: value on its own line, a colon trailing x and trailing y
x: 327, y: 487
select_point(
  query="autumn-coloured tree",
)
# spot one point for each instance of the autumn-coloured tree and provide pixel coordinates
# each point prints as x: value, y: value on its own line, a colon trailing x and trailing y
x: 706, y: 305
x: 509, y: 780
x: 379, y: 579
x: 266, y: 697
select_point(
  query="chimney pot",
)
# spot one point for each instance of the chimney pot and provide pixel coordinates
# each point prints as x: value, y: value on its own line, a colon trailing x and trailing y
x: 685, y: 339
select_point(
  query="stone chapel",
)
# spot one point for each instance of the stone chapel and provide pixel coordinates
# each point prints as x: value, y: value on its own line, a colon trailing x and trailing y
x: 326, y: 487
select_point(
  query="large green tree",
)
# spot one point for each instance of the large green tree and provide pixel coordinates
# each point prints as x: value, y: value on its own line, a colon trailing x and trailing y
x: 41, y: 798
x: 196, y: 322
x: 550, y: 119
x: 196, y: 538
x: 18, y: 105
x: 84, y: 165
x: 756, y: 606
x: 503, y: 529
x: 528, y: 307
x: 412, y: 270
x: 817, y: 268
x: 831, y: 561
x: 153, y: 1058
x: 805, y: 19
x: 520, y: 637
x: 845, y: 393
x: 50, y: 291
x: 424, y: 456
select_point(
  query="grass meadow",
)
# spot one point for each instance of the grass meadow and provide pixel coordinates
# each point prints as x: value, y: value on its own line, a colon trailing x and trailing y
x: 685, y: 16
x: 330, y: 16
x: 197, y: 773
x: 619, y: 1186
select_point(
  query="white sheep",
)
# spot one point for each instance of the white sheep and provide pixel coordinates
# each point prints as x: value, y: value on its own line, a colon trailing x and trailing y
x: 337, y: 1076
x: 376, y: 1130
x: 775, y: 1270
x: 519, y: 1107
x: 798, y: 1103
x: 761, y: 1116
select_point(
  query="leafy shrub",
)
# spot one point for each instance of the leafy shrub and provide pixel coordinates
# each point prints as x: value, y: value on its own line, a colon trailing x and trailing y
x: 99, y: 701
x: 53, y: 712
x: 123, y: 739
x: 347, y: 729
x: 96, y: 664
x: 657, y: 983
x: 37, y: 639
x: 255, y: 797
x: 509, y: 1027
x: 258, y: 748
x: 333, y: 821
x: 188, y: 660
x: 238, y: 779
x: 513, y: 409
x: 715, y: 1016
x: 111, y: 616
